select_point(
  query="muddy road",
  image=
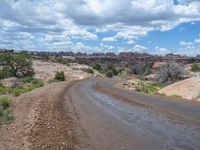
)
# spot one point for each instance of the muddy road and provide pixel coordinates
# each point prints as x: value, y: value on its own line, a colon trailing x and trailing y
x: 108, y: 118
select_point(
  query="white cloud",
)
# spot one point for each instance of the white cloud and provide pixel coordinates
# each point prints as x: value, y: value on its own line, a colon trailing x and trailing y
x: 197, y: 40
x: 134, y: 32
x: 130, y: 42
x: 189, y: 48
x: 109, y: 39
x: 161, y: 51
x: 140, y: 48
x: 183, y: 43
x: 42, y: 24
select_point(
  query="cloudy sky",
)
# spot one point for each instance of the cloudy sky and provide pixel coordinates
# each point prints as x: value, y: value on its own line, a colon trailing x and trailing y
x: 152, y: 26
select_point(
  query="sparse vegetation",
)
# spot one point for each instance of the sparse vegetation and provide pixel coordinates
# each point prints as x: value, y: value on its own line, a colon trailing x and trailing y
x: 177, y: 96
x: 60, y: 76
x: 146, y: 87
x: 88, y: 70
x: 109, y: 73
x: 2, y: 89
x: 17, y: 91
x: 97, y: 67
x: 33, y: 85
x: 172, y: 72
x: 195, y: 68
x: 63, y: 61
x: 160, y: 85
x: 143, y: 69
x: 111, y: 68
x: 6, y: 114
x: 5, y: 102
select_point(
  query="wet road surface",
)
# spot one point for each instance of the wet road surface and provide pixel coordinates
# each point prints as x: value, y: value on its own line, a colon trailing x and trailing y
x: 108, y: 118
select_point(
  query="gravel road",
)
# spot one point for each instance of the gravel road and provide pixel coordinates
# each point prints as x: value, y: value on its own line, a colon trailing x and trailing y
x: 108, y: 118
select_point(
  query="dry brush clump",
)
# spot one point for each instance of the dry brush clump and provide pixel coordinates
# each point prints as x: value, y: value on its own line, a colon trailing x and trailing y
x: 6, y: 113
x: 172, y: 72
x: 60, y: 76
x: 195, y: 68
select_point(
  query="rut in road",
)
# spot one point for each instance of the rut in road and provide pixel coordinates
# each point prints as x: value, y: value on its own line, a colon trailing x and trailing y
x: 104, y: 122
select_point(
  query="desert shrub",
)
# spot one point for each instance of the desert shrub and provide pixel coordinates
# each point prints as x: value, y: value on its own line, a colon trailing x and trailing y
x: 110, y: 68
x: 60, y: 76
x: 5, y: 102
x: 66, y: 62
x: 147, y: 71
x: 159, y: 84
x: 6, y: 116
x: 63, y: 61
x: 146, y: 87
x: 1, y: 112
x: 6, y: 113
x: 44, y: 57
x: 34, y: 84
x: 88, y: 70
x: 109, y: 73
x: 137, y: 69
x: 195, y: 68
x: 19, y: 64
x: 17, y: 91
x: 140, y: 69
x: 6, y: 72
x: 172, y: 71
x: 27, y: 79
x: 30, y: 87
x: 97, y: 67
x: 177, y: 96
x: 2, y: 89
x: 40, y: 83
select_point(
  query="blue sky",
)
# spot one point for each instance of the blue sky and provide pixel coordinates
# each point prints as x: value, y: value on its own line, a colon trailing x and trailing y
x: 150, y: 26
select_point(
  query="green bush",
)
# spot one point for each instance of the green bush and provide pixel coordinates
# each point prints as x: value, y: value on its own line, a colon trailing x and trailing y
x: 30, y: 87
x: 17, y: 91
x: 6, y: 116
x: 159, y: 84
x: 141, y: 69
x: 112, y: 68
x: 5, y: 102
x: 2, y: 89
x: 6, y: 72
x: 60, y: 76
x: 66, y: 62
x: 97, y: 67
x: 40, y: 84
x: 88, y: 70
x: 17, y: 64
x: 195, y: 68
x: 28, y: 79
x: 146, y: 87
x: 109, y: 73
x: 33, y: 85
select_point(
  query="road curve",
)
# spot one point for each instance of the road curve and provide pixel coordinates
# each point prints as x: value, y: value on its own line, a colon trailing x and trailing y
x: 108, y: 118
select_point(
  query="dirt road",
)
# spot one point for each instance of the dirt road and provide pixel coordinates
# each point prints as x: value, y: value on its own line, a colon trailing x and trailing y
x: 107, y: 118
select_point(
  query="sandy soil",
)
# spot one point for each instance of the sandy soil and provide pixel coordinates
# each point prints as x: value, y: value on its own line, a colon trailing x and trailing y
x: 188, y: 89
x: 46, y: 71
x: 41, y: 122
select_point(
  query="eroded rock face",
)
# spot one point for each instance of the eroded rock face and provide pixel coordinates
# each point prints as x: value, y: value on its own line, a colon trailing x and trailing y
x: 188, y: 89
x: 9, y: 82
